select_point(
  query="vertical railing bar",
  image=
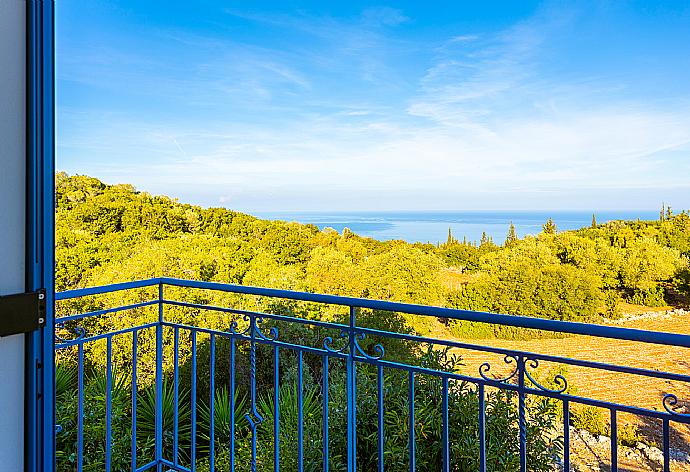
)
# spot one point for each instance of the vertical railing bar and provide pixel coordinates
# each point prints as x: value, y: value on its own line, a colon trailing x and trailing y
x: 324, y: 419
x: 276, y: 409
x: 232, y: 404
x: 446, y: 451
x: 176, y: 386
x: 351, y: 395
x: 667, y: 444
x: 109, y: 404
x: 380, y: 417
x: 300, y: 414
x: 254, y: 418
x: 192, y: 402
x: 212, y: 400
x: 80, y: 409
x: 521, y: 411
x: 411, y: 446
x: 135, y: 339
x: 566, y: 435
x: 482, y: 428
x: 159, y: 377
x: 614, y: 441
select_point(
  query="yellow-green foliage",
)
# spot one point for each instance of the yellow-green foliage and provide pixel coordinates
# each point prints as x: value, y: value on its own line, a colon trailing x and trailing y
x: 576, y: 275
x: 112, y: 233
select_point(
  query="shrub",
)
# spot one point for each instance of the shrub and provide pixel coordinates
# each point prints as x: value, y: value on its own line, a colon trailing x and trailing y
x: 612, y: 301
x: 590, y: 419
x: 653, y: 297
x: 629, y: 435
x: 681, y: 283
x: 476, y: 330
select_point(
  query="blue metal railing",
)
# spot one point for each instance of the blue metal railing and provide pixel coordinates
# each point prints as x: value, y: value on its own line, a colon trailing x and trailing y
x: 349, y: 343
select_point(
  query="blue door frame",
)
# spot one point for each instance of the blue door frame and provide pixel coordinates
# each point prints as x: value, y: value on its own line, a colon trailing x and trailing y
x: 40, y: 231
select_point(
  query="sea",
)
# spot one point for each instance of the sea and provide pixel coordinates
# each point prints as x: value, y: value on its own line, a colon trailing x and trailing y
x: 432, y: 226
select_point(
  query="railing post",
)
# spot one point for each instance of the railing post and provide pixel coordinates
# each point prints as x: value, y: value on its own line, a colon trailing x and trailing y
x: 351, y: 395
x: 253, y: 418
x: 159, y: 380
x: 521, y: 412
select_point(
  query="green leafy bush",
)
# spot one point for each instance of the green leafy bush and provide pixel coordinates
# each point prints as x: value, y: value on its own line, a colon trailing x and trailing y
x: 629, y: 435
x: 652, y: 297
x: 612, y: 303
x: 590, y: 419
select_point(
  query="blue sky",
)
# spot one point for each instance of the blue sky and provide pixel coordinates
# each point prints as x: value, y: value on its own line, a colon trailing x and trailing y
x: 272, y: 106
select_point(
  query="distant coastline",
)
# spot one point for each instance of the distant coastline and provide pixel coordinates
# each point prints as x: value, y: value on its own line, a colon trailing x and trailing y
x: 432, y: 226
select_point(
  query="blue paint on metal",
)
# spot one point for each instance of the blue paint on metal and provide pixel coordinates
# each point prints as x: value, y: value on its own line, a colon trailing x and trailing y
x: 65, y: 319
x: 482, y: 427
x: 614, y: 441
x: 565, y: 327
x: 521, y: 414
x: 351, y: 381
x: 666, y: 434
x: 80, y: 410
x: 380, y: 416
x: 566, y: 435
x: 254, y: 418
x: 176, y: 400
x: 412, y: 424
x: 276, y: 409
x: 232, y: 403
x: 84, y: 292
x: 193, y: 402
x: 300, y: 413
x: 135, y: 340
x: 159, y: 378
x: 212, y: 403
x: 444, y: 418
x: 348, y: 350
x: 324, y: 414
x: 109, y: 405
x: 39, y: 422
x: 83, y: 340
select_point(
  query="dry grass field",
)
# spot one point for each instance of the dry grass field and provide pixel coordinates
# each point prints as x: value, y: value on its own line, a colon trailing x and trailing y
x: 600, y: 384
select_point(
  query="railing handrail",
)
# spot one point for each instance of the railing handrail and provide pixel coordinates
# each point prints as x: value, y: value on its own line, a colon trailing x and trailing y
x: 566, y: 327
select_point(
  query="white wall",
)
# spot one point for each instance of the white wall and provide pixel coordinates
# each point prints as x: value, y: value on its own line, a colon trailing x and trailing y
x: 12, y: 197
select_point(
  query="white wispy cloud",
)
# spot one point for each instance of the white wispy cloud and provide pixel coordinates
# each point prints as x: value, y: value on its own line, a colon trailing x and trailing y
x: 485, y: 122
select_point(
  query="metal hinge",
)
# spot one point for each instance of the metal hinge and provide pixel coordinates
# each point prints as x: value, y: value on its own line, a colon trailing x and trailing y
x: 22, y: 312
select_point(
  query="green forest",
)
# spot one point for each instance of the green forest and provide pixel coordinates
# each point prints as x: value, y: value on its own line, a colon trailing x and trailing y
x: 112, y: 233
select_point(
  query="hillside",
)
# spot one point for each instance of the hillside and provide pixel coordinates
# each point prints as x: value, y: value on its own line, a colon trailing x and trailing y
x: 108, y: 233
x: 113, y: 233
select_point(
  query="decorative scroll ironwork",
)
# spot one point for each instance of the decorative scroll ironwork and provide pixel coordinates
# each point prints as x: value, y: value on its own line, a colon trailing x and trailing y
x: 559, y: 380
x: 272, y: 332
x: 508, y: 359
x: 521, y: 374
x: 670, y: 401
x: 78, y: 332
x: 328, y: 343
x: 234, y: 325
x: 378, y: 348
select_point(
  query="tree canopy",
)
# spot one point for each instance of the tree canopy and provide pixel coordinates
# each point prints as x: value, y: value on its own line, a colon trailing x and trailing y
x: 108, y: 233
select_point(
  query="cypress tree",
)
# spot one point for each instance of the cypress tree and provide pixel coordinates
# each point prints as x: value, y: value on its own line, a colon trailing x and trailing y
x: 450, y: 237
x: 485, y: 240
x: 549, y: 227
x: 594, y: 221
x: 511, y: 238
